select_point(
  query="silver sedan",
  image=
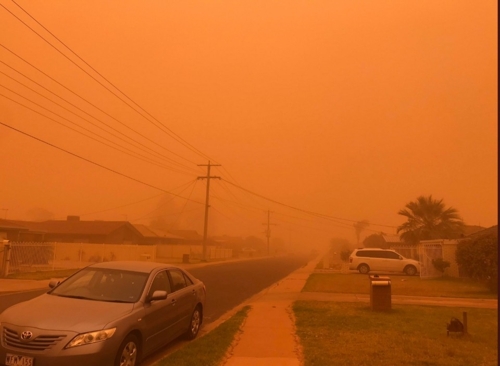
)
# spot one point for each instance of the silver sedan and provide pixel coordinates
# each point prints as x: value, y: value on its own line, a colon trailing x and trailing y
x: 112, y: 313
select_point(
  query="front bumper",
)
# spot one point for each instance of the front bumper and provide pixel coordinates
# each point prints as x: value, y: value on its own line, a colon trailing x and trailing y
x: 95, y: 354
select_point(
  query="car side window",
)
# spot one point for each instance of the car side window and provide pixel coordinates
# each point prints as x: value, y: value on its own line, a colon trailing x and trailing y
x: 178, y: 280
x: 160, y: 283
x: 188, y: 280
x: 392, y: 255
x: 367, y: 253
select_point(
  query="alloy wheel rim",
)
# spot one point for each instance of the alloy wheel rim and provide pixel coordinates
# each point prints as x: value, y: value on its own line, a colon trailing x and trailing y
x: 195, y: 322
x: 129, y: 355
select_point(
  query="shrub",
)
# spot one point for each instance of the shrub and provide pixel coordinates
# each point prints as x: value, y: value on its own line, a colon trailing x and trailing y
x: 344, y: 255
x: 478, y: 259
x: 440, y: 264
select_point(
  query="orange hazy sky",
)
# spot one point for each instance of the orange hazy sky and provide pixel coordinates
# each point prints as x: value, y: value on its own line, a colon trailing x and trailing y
x: 348, y: 109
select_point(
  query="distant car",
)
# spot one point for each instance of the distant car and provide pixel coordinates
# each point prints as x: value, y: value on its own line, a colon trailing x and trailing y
x: 374, y: 259
x: 112, y: 313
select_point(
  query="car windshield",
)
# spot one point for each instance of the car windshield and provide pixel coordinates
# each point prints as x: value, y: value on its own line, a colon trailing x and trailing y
x: 103, y: 284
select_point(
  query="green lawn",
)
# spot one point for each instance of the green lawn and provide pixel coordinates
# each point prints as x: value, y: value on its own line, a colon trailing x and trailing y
x: 352, y: 334
x: 210, y: 349
x: 400, y: 285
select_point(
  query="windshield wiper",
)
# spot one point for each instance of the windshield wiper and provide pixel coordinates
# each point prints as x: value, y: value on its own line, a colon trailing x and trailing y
x: 120, y: 301
x: 73, y: 296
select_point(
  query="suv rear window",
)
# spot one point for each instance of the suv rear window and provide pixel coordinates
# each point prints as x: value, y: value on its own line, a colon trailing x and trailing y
x: 367, y: 253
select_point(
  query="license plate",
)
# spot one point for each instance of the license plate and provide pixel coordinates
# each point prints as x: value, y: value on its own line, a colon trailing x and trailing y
x: 16, y: 360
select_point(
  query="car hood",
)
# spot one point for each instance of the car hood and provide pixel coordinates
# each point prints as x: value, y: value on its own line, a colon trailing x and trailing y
x: 62, y: 313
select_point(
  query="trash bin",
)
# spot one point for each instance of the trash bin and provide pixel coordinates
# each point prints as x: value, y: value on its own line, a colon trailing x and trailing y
x: 185, y: 258
x: 380, y: 293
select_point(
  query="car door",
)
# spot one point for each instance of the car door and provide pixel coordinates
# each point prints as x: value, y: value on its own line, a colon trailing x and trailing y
x: 383, y: 261
x: 160, y: 315
x: 394, y: 262
x: 183, y: 289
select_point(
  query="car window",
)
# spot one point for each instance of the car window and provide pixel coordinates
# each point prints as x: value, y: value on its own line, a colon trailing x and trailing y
x: 160, y: 283
x: 103, y: 285
x: 188, y: 280
x: 366, y: 253
x: 392, y: 255
x: 178, y: 280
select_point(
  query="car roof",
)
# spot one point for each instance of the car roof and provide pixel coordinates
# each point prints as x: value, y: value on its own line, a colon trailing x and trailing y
x: 136, y: 266
x: 392, y: 250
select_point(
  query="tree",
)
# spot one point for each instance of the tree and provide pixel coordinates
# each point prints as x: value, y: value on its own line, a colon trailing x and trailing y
x: 340, y: 247
x: 428, y: 218
x: 39, y: 214
x: 359, y: 227
x: 477, y: 258
x: 375, y: 241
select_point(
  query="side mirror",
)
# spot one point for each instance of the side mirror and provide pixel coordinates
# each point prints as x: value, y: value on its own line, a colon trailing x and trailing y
x: 158, y: 295
x: 54, y: 283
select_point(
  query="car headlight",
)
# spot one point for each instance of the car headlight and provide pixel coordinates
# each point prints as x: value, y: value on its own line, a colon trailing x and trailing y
x: 91, y: 337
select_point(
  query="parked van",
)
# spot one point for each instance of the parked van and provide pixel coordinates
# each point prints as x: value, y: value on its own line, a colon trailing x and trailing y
x: 375, y: 259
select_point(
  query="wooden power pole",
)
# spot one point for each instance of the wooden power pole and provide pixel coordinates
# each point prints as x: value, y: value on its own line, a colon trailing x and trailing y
x: 268, y: 231
x: 205, y: 229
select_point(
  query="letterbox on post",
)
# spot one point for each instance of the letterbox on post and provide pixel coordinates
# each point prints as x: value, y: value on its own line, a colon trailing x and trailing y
x: 380, y: 293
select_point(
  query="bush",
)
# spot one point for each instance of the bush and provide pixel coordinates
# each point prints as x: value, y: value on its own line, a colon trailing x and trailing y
x: 344, y: 255
x: 440, y: 264
x: 478, y: 259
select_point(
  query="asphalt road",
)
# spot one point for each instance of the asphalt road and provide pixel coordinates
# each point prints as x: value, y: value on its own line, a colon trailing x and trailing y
x: 229, y: 284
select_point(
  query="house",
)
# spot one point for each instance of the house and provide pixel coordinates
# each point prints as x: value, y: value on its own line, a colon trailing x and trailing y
x: 72, y: 230
x: 154, y: 236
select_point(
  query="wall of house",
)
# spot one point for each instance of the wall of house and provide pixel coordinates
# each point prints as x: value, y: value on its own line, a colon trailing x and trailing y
x: 31, y: 257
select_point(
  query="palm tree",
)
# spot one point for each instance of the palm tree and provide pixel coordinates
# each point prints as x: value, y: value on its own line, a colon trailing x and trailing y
x: 427, y: 219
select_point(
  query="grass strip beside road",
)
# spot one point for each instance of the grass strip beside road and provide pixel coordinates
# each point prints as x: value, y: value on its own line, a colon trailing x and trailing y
x: 352, y: 334
x: 211, y: 349
x: 400, y: 285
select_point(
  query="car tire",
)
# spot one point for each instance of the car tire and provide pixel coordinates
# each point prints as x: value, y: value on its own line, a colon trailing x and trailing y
x: 363, y: 268
x: 195, y: 323
x: 410, y: 271
x: 128, y: 353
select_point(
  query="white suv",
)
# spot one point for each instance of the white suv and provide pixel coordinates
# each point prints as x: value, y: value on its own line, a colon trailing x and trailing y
x: 375, y: 259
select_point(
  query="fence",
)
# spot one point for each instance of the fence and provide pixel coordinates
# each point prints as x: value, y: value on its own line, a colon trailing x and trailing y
x: 32, y: 257
x: 427, y: 251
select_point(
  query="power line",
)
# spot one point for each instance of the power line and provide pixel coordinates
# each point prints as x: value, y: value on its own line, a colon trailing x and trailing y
x: 92, y: 104
x: 133, y: 154
x: 94, y: 163
x: 95, y: 125
x: 300, y: 209
x: 168, y: 131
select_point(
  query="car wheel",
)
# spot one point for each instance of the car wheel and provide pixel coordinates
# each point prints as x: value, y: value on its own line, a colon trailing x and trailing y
x: 194, y: 324
x: 363, y: 269
x: 410, y: 271
x: 128, y: 353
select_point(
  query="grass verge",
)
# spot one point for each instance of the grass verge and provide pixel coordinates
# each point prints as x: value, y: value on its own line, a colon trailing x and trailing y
x: 400, y: 285
x: 42, y: 275
x: 210, y: 349
x: 352, y: 334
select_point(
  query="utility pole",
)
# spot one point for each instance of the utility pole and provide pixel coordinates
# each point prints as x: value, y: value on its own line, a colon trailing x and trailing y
x: 268, y: 231
x: 205, y: 229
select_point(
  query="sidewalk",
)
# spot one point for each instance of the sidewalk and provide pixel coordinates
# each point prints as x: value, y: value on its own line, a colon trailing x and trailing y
x: 268, y: 336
